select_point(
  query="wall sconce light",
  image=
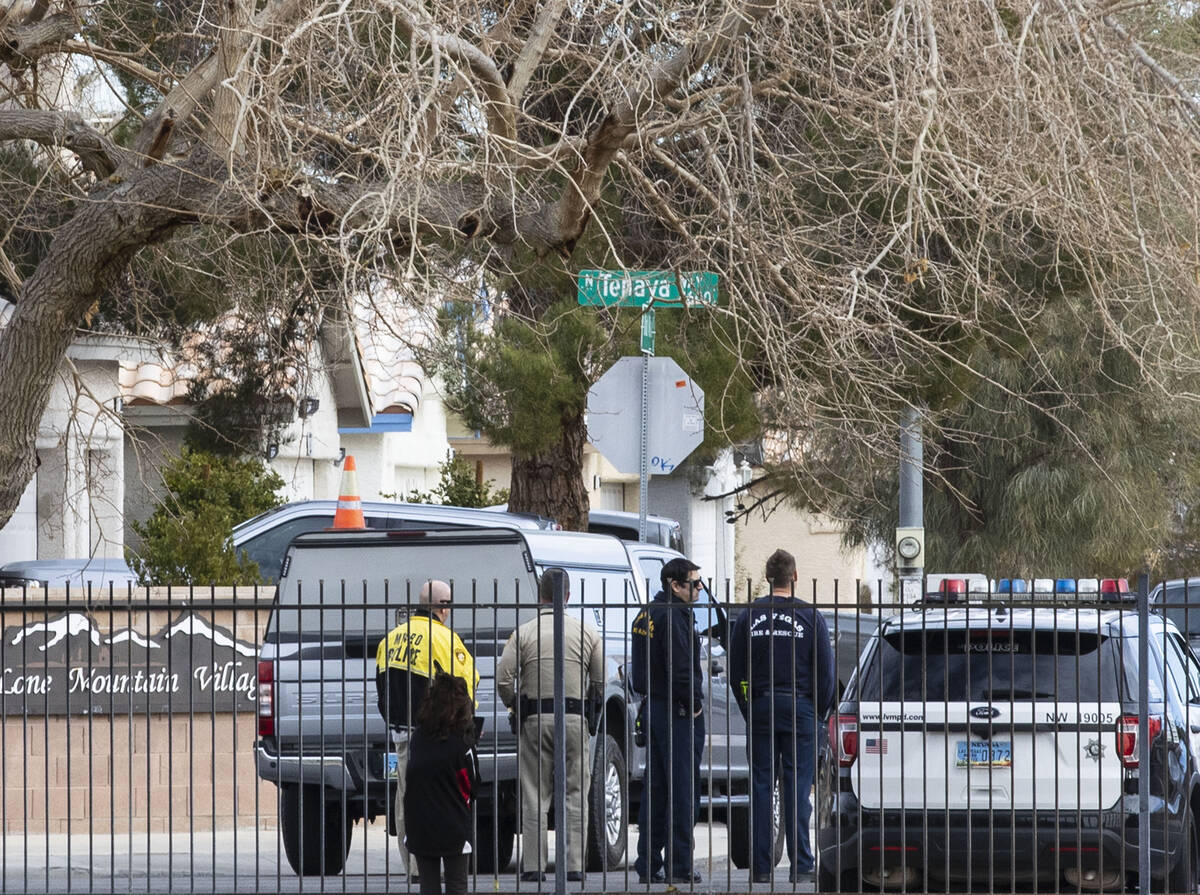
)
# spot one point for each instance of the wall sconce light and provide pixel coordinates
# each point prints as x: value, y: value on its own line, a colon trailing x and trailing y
x: 308, y: 406
x: 118, y: 404
x: 272, y: 451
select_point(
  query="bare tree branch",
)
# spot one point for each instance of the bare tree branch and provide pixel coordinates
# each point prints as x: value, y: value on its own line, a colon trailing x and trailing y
x: 535, y: 48
x: 574, y: 208
x: 121, y: 61
x: 188, y: 93
x: 499, y: 105
x: 29, y: 41
x: 65, y: 130
x: 233, y: 78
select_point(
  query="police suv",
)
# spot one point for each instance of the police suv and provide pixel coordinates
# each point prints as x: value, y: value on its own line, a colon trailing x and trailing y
x: 997, y: 745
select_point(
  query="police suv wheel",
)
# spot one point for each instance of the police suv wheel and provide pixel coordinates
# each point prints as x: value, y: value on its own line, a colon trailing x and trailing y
x: 608, y: 807
x: 1183, y: 876
x: 827, y: 881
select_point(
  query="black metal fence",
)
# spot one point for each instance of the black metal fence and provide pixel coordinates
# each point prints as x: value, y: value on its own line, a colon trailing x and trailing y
x: 233, y: 740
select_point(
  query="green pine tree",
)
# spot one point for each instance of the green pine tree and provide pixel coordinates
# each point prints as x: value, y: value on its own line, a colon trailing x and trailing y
x: 1055, y: 460
x: 186, y: 538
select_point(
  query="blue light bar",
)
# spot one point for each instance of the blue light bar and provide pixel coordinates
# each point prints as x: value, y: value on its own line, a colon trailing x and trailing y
x: 1012, y: 586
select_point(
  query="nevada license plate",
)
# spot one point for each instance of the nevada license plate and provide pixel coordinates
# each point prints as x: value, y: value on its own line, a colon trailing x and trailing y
x: 994, y: 754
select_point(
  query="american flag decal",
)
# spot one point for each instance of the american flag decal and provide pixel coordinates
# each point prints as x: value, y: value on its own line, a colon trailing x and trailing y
x: 876, y: 746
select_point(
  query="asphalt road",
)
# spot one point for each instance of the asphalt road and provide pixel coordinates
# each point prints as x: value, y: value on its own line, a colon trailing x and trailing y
x: 249, y: 860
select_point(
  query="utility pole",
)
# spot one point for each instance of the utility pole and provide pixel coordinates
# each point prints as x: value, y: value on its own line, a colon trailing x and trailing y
x: 910, y: 535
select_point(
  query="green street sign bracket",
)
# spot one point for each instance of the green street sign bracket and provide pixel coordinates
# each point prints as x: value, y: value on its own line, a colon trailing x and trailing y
x: 648, y: 331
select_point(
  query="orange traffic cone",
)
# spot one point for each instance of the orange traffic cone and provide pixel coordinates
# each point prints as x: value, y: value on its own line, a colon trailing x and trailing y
x: 349, y: 514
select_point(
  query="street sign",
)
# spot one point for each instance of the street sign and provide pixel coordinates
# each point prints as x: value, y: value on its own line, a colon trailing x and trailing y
x: 674, y: 413
x: 638, y: 288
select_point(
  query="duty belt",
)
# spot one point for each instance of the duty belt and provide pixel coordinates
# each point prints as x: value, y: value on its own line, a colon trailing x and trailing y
x: 546, y: 707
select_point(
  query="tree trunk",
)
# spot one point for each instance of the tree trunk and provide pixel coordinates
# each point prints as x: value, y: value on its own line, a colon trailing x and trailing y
x: 85, y: 254
x: 551, y: 483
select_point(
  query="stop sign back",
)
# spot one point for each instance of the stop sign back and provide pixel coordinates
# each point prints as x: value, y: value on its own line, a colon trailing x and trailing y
x: 675, y: 414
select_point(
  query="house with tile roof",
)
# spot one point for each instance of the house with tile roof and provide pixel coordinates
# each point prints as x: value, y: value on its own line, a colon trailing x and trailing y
x: 120, y: 409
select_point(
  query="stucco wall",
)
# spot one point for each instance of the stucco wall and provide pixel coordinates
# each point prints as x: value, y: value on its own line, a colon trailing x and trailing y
x: 814, y: 541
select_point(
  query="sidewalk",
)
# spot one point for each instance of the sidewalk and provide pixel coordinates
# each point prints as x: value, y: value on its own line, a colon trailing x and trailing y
x: 247, y: 860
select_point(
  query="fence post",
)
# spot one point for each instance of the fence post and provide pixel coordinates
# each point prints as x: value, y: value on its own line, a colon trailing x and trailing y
x: 1143, y: 734
x: 560, y: 742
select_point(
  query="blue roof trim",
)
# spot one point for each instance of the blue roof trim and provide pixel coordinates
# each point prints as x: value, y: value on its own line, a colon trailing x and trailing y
x: 383, y: 422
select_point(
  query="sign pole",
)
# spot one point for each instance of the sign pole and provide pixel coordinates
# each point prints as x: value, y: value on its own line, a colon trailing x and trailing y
x: 644, y: 480
x: 647, y: 289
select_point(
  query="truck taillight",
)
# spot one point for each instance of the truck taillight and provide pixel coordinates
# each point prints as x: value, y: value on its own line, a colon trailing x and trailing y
x: 266, y: 699
x: 843, y: 734
x: 1127, y: 737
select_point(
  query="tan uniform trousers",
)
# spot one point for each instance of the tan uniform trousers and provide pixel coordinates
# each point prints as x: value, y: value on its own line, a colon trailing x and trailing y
x: 400, y: 745
x: 537, y: 789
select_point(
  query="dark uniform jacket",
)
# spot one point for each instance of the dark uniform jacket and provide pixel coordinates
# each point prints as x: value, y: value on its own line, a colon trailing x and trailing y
x: 665, y: 654
x: 440, y: 786
x: 781, y: 645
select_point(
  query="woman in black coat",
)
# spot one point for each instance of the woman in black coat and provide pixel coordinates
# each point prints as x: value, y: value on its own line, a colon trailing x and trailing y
x: 441, y: 781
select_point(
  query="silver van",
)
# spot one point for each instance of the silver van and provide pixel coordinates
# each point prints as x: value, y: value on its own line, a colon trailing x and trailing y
x: 97, y: 573
x: 620, y: 524
x: 625, y: 525
x: 322, y: 740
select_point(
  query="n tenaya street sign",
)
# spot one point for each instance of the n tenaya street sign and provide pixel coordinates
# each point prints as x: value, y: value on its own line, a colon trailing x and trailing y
x: 639, y: 288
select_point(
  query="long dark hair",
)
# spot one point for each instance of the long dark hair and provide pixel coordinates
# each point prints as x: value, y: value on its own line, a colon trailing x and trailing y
x: 447, y: 708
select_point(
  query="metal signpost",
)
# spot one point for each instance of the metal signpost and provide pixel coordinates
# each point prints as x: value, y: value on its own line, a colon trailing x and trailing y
x: 671, y: 420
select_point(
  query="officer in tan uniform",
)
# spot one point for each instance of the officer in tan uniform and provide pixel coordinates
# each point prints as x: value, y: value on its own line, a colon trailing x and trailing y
x: 525, y: 682
x: 405, y: 663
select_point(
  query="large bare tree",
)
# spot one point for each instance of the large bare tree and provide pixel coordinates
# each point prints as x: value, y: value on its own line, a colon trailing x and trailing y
x: 877, y: 184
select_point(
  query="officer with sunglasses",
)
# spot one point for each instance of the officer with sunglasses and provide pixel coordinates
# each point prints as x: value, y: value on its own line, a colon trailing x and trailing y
x: 665, y: 668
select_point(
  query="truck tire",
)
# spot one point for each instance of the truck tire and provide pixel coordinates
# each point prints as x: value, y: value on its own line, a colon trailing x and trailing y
x: 740, y: 846
x: 493, y: 847
x: 608, y: 808
x: 316, y: 832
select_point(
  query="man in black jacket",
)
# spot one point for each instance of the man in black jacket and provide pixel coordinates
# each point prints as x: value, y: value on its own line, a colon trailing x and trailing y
x: 665, y: 667
x: 781, y: 667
